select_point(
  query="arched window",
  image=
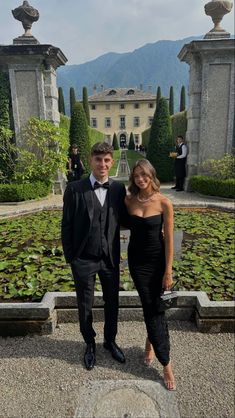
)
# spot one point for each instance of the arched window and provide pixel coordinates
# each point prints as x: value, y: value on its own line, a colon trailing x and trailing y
x: 112, y: 92
x: 131, y: 91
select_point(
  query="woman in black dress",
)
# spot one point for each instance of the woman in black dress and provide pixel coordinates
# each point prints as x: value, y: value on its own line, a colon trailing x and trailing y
x: 150, y: 258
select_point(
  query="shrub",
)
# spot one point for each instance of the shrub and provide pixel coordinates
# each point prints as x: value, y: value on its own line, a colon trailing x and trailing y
x: 72, y: 99
x: 115, y: 142
x: 21, y: 192
x: 44, y: 151
x: 79, y: 133
x: 131, y: 142
x: 61, y: 105
x: 171, y: 101
x: 145, y: 138
x: 160, y: 142
x: 85, y: 104
x: 222, y: 169
x: 7, y: 161
x: 182, y: 99
x: 179, y: 124
x: 211, y: 186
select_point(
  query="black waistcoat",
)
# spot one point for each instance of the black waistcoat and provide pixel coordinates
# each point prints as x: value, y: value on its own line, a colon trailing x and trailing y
x: 97, y: 245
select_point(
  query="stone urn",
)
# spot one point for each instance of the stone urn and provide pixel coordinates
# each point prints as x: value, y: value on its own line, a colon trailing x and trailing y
x: 217, y: 9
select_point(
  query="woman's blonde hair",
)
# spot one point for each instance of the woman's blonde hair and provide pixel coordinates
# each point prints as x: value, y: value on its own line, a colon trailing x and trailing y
x: 149, y: 170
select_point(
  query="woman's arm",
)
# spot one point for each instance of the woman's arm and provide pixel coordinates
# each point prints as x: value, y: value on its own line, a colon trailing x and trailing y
x: 168, y: 216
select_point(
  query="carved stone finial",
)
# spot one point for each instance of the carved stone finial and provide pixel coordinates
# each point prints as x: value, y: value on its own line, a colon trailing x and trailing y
x: 27, y: 15
x: 217, y: 9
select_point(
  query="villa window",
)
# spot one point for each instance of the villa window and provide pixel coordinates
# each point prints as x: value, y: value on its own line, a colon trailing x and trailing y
x: 107, y: 106
x: 122, y: 122
x: 136, y: 139
x: 150, y: 120
x: 131, y: 91
x: 136, y: 121
x: 136, y: 105
x: 112, y: 92
x: 93, y: 107
x: 122, y: 106
x: 107, y: 122
x: 151, y: 105
x: 93, y: 122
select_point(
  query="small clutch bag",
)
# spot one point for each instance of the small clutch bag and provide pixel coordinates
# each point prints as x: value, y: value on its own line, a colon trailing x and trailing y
x: 167, y: 300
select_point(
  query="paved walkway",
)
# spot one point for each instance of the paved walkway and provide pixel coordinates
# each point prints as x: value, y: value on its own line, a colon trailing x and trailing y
x: 43, y: 376
x: 179, y: 199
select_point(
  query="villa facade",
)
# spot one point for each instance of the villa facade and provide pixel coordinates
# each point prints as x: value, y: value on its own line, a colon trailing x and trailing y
x: 122, y: 111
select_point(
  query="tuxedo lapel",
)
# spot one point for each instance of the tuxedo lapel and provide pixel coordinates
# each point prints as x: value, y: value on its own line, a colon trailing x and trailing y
x: 88, y: 197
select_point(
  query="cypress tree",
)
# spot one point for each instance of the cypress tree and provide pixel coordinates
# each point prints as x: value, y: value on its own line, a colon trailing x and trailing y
x: 79, y: 133
x: 182, y: 99
x: 171, y: 101
x: 115, y: 142
x: 6, y: 155
x: 85, y: 104
x: 61, y: 106
x: 72, y: 99
x: 159, y: 95
x: 160, y: 142
x: 131, y: 142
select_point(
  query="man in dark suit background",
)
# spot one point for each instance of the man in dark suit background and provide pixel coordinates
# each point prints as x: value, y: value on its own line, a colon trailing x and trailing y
x: 92, y: 211
x: 180, y: 164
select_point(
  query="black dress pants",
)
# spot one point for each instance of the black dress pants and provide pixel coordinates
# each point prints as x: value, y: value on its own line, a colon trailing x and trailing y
x: 84, y: 274
x: 148, y: 279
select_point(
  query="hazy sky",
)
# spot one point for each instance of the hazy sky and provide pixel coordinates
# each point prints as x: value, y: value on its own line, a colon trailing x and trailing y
x: 86, y: 29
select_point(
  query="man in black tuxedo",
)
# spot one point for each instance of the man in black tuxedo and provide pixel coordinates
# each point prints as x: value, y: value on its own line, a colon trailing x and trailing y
x: 180, y: 164
x: 93, y: 208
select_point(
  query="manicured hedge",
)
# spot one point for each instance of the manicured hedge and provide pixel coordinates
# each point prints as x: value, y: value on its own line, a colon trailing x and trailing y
x: 214, y: 187
x: 21, y: 192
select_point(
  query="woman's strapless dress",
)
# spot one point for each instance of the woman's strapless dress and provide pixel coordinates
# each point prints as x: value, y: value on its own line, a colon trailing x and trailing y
x: 146, y: 252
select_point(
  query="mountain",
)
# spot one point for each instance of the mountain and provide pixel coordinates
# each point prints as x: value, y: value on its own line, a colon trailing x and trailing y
x: 151, y: 65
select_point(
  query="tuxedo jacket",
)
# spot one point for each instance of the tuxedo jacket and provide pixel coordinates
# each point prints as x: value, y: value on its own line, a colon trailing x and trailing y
x: 78, y: 211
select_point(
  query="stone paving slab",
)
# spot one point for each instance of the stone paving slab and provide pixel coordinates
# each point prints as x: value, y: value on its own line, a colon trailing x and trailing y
x: 126, y: 399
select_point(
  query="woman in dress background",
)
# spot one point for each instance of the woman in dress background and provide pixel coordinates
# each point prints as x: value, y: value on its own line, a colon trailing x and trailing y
x: 150, y: 258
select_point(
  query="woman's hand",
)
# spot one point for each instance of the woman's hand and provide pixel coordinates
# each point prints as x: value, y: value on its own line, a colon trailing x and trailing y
x: 167, y: 281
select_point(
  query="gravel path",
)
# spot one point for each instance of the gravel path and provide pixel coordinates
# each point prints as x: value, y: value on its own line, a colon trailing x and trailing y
x: 40, y: 376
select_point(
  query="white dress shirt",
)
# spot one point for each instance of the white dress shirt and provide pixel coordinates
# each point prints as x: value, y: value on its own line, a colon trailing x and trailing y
x: 184, y: 152
x: 100, y: 192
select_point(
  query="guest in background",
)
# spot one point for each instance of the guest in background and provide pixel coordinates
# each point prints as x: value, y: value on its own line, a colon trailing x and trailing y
x: 180, y: 163
x: 75, y: 164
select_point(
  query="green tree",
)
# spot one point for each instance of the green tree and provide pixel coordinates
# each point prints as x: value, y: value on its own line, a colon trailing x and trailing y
x: 44, y: 152
x: 72, y: 99
x: 182, y: 99
x: 6, y: 156
x: 131, y: 142
x: 115, y: 142
x: 159, y: 95
x: 61, y: 106
x: 79, y: 134
x: 85, y: 104
x: 171, y: 101
x: 160, y: 142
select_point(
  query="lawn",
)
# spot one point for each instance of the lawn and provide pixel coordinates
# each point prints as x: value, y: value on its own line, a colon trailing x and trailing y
x: 32, y: 262
x: 132, y: 157
x: 116, y: 157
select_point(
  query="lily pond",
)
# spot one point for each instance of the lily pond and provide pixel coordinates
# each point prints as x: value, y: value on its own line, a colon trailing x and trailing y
x: 32, y: 262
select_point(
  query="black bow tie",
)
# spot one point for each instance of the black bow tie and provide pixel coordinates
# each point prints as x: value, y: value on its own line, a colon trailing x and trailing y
x: 104, y: 185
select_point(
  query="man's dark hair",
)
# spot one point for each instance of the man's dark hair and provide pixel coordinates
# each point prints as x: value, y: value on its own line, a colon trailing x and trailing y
x: 181, y: 137
x: 73, y: 146
x: 101, y: 148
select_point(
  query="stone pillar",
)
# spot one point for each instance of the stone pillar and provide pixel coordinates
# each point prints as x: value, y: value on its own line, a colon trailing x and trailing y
x: 211, y: 100
x: 32, y: 75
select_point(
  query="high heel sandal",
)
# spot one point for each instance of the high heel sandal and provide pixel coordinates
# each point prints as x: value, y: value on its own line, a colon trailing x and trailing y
x: 149, y: 353
x: 169, y: 382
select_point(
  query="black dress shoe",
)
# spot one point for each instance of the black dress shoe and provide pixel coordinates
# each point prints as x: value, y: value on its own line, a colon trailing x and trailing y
x: 173, y: 188
x: 116, y: 352
x: 89, y: 356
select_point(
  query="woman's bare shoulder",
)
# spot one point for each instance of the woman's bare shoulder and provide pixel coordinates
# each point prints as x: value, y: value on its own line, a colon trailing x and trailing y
x: 166, y: 202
